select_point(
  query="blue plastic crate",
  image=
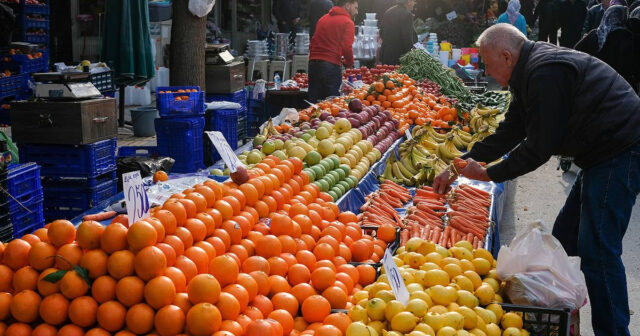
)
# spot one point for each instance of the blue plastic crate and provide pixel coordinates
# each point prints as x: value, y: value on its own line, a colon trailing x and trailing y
x: 33, y: 23
x: 86, y: 161
x: 58, y: 182
x: 28, y: 217
x: 37, y: 39
x: 181, y: 139
x: 74, y: 199
x: 144, y: 151
x: 25, y: 65
x: 239, y: 97
x: 169, y: 107
x: 103, y: 81
x: 11, y: 86
x: 225, y: 122
x: 23, y: 182
x: 36, y: 9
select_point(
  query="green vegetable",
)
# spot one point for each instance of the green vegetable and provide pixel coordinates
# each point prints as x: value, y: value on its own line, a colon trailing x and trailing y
x: 419, y: 65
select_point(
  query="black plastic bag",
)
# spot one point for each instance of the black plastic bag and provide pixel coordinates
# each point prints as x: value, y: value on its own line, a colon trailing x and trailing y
x: 147, y: 166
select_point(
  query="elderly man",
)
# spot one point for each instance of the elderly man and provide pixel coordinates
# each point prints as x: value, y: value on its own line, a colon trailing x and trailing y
x: 568, y: 103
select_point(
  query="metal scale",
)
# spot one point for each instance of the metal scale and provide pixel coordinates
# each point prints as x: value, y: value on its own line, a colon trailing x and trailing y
x: 64, y: 86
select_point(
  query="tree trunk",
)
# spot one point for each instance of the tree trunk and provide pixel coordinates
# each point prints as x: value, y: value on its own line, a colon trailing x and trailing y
x: 188, y: 39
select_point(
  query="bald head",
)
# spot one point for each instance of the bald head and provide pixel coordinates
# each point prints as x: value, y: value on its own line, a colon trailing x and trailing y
x: 500, y: 47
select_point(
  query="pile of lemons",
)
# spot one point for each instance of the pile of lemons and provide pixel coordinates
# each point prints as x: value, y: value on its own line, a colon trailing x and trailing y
x: 452, y: 292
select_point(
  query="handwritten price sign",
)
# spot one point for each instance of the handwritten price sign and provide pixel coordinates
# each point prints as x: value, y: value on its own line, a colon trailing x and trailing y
x: 225, y: 151
x: 395, y: 279
x: 135, y: 197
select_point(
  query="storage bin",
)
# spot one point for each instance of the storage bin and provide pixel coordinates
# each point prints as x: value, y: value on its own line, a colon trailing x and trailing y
x: 181, y: 139
x: 191, y: 106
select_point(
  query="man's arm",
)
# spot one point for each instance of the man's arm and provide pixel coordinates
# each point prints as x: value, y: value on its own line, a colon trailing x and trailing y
x: 549, y: 102
x: 347, y: 44
x: 507, y: 136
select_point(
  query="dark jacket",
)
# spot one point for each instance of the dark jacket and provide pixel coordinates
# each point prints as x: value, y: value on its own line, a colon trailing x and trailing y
x: 546, y: 11
x: 572, y: 16
x: 564, y: 103
x: 592, y: 21
x: 526, y: 10
x: 634, y: 5
x: 615, y: 52
x: 397, y: 33
x: 286, y: 10
x: 333, y: 38
x: 317, y: 9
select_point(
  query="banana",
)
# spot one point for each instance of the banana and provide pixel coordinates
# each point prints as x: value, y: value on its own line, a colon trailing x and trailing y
x: 466, y: 137
x: 435, y: 135
x: 459, y: 142
x: 491, y: 121
x: 428, y: 143
x: 404, y: 171
x: 407, y: 165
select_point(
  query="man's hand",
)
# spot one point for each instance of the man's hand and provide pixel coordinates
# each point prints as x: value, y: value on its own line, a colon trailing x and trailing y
x: 442, y: 182
x: 475, y: 171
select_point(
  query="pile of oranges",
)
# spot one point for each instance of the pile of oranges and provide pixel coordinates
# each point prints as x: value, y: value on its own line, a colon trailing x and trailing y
x: 268, y: 257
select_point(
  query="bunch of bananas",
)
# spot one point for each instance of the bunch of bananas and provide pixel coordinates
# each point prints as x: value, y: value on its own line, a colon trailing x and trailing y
x: 482, y: 133
x: 482, y: 115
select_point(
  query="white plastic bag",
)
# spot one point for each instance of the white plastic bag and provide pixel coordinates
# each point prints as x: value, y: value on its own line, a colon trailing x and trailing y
x: 223, y: 105
x: 539, y: 272
x: 260, y: 89
x: 201, y: 8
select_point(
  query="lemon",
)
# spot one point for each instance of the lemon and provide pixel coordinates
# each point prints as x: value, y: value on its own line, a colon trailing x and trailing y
x: 443, y: 295
x: 485, y: 294
x: 497, y: 298
x: 399, y: 261
x: 462, y: 332
x: 357, y: 329
x: 416, y: 333
x: 483, y: 266
x: 376, y: 287
x: 511, y: 332
x: 417, y: 307
x: 407, y: 277
x: 493, y: 283
x: 378, y: 326
x: 422, y: 296
x: 487, y: 315
x: 359, y: 295
x: 383, y: 278
x: 497, y: 310
x: 454, y: 320
x: 493, y: 274
x: 446, y: 331
x: 436, y: 277
x: 453, y: 306
x: 467, y: 265
x: 463, y: 283
x: 465, y: 244
x: 453, y: 270
x: 363, y: 303
x: 434, y: 257
x: 480, y: 323
x: 419, y: 275
x: 375, y: 309
x: 430, y: 265
x: 461, y: 253
x: 442, y: 251
x: 393, y: 307
x: 482, y: 253
x: 414, y: 287
x: 493, y: 330
x: 391, y: 333
x: 467, y: 299
x: 524, y: 332
x: 426, y: 248
x: 425, y: 328
x: 511, y: 320
x: 413, y: 244
x: 414, y: 259
x: 477, y: 332
x: 470, y: 317
x: 438, y: 309
x: 474, y: 277
x: 358, y: 313
x: 434, y: 320
x: 385, y: 295
x: 401, y: 249
x: 449, y: 260
x: 404, y: 322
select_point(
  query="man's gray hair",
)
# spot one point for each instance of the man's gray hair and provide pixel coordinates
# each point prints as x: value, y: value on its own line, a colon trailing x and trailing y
x: 501, y: 36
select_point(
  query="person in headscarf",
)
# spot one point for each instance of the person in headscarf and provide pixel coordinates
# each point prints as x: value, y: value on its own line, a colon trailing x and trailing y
x: 513, y: 16
x: 612, y: 43
x: 572, y: 14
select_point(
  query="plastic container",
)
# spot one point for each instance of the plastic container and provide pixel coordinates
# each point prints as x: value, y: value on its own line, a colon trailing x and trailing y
x: 144, y: 151
x: 28, y: 217
x: 33, y: 23
x: 168, y: 106
x: 542, y: 321
x: 86, y: 161
x: 11, y: 86
x: 36, y: 9
x: 71, y: 200
x: 181, y: 139
x: 23, y: 183
x: 36, y: 39
x: 225, y: 122
x: 26, y: 65
x: 103, y: 81
x: 77, y: 182
x: 142, y: 119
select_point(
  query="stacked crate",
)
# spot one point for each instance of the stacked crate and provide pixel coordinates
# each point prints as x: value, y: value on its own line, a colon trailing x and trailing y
x: 33, y: 23
x: 75, y: 178
x: 25, y: 198
x: 239, y: 97
x: 6, y: 228
x: 180, y: 128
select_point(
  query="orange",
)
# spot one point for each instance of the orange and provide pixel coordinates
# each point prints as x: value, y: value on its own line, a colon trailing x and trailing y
x: 94, y: 261
x: 289, y: 258
x: 188, y: 268
x: 250, y: 193
x: 5, y: 305
x: 140, y: 319
x: 346, y: 280
x: 245, y: 222
x: 298, y: 209
x: 271, y: 202
x: 157, y: 224
x: 315, y: 309
x: 103, y: 289
x: 284, y: 318
x: 217, y: 244
x: 338, y: 320
x: 268, y: 246
x: 238, y: 195
x: 159, y: 292
x: 70, y: 330
x: 168, y: 220
x: 189, y: 205
x: 208, y: 221
x: 224, y: 236
x: 208, y: 249
x: 306, y: 258
x: 41, y: 255
x: 225, y: 269
x: 328, y: 330
x: 299, y: 324
x: 203, y: 319
x: 229, y: 328
x: 263, y: 303
x: 240, y: 293
x: 177, y: 209
x: 16, y: 254
x: 208, y: 194
x: 182, y: 300
x: 280, y: 224
x: 83, y: 311
x: 160, y: 176
x: 169, y: 320
x: 169, y: 253
x: 18, y: 329
x: 253, y: 313
x: 239, y: 251
x: 347, y: 217
x: 278, y: 266
x: 262, y: 208
x: 285, y: 301
x: 203, y: 288
x: 150, y: 262
x: 44, y: 330
x: 130, y: 290
x: 25, y: 305
x: 68, y: 256
x: 122, y: 219
x: 120, y: 263
x: 199, y: 258
x: 366, y: 274
x: 97, y: 332
x: 73, y: 285
x: 225, y: 209
x: 229, y: 306
x: 61, y: 232
x: 111, y: 316
x: 185, y: 235
x: 302, y: 291
x: 336, y: 296
x: 326, y: 263
x: 298, y: 273
x: 54, y: 308
x: 176, y: 243
x: 333, y: 242
x: 25, y: 278
x: 260, y: 328
x: 199, y: 200
x: 234, y: 230
x: 262, y: 279
x: 114, y: 238
x: 324, y: 251
x: 88, y: 234
x: 177, y: 277
x: 322, y: 278
x: 45, y: 287
x: 141, y: 234
x: 42, y: 233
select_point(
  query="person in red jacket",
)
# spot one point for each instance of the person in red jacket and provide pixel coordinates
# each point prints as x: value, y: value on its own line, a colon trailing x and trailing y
x: 332, y: 40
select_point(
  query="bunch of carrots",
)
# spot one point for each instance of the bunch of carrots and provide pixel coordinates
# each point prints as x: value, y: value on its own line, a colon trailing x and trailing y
x: 469, y: 218
x: 425, y: 218
x: 379, y: 208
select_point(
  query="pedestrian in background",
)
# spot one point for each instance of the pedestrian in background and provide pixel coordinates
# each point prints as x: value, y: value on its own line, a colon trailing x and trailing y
x: 572, y: 16
x: 513, y: 16
x: 287, y: 14
x: 397, y: 32
x: 546, y: 11
x: 332, y: 40
x: 317, y: 9
x: 594, y: 16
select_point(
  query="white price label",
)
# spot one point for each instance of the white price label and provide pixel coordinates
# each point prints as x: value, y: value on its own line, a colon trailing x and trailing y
x: 135, y: 196
x: 225, y: 151
x: 395, y: 279
x: 408, y: 134
x: 452, y: 15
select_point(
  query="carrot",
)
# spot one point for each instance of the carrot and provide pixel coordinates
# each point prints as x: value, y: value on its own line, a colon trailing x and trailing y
x: 469, y: 237
x: 480, y: 191
x: 99, y: 216
x: 436, y: 235
x: 404, y: 236
x: 445, y: 236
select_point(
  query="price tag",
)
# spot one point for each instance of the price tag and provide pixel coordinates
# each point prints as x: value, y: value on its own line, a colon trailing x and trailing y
x: 408, y: 134
x: 452, y: 15
x: 225, y: 151
x: 395, y: 279
x: 135, y: 196
x: 420, y: 46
